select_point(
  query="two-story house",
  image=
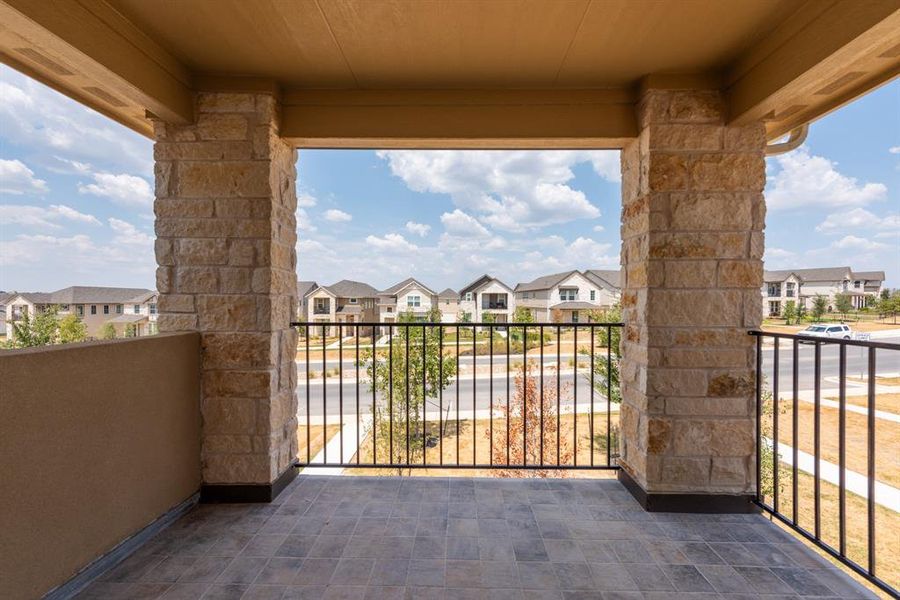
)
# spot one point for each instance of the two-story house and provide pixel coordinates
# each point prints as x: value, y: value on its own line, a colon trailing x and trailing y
x: 408, y: 296
x: 130, y: 310
x: 801, y: 285
x: 563, y: 297
x: 343, y: 302
x: 448, y: 302
x: 486, y: 295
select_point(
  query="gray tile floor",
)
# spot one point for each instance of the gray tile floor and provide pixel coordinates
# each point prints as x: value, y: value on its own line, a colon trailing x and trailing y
x: 355, y: 537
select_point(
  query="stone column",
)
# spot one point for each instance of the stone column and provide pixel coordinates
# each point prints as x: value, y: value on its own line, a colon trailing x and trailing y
x: 226, y: 237
x: 692, y: 246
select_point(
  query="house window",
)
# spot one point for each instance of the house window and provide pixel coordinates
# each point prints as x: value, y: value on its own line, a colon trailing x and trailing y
x: 79, y: 310
x: 856, y: 284
x: 137, y: 309
x: 593, y: 295
x: 468, y: 296
x: 153, y: 309
x: 574, y: 316
x: 390, y: 309
x: 93, y: 309
x: 353, y: 300
x: 568, y: 294
x: 106, y: 309
x: 119, y: 309
x: 64, y: 308
x: 774, y: 289
x: 322, y: 305
x: 413, y: 301
x: 789, y: 291
x: 774, y: 308
x: 19, y: 311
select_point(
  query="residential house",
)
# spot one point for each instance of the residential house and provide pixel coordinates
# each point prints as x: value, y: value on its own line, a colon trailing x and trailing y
x: 801, y: 285
x: 487, y: 296
x: 408, y: 296
x: 131, y: 309
x: 303, y: 290
x: 4, y: 296
x: 609, y: 282
x: 343, y: 302
x: 563, y: 297
x: 448, y: 302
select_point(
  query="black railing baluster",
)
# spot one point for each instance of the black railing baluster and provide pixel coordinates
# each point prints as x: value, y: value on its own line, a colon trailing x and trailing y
x: 541, y: 333
x: 308, y: 418
x: 558, y: 390
x: 525, y: 402
x: 591, y: 431
x: 372, y: 382
x: 776, y: 364
x: 424, y: 398
x: 491, y: 396
x: 871, y: 462
x: 795, y: 434
x: 358, y: 448
x: 608, y: 396
x: 842, y: 450
x: 406, y: 385
x: 508, y: 415
x: 391, y: 391
x: 574, y: 396
x: 474, y: 392
x: 759, y: 436
x: 458, y: 383
x: 817, y: 437
x: 324, y: 394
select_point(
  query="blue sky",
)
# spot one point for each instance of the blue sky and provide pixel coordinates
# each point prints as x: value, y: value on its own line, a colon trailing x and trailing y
x: 76, y: 203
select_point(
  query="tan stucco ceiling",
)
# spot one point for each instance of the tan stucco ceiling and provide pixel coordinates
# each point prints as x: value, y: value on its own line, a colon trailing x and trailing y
x: 540, y: 70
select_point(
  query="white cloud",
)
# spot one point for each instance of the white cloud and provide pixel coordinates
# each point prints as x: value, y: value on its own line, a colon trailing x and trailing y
x: 894, y: 149
x: 599, y: 228
x: 306, y: 200
x: 18, y: 179
x: 461, y: 224
x: 392, y: 242
x: 126, y: 233
x: 128, y: 190
x: 852, y: 242
x: 42, y: 216
x: 419, y: 229
x: 806, y: 180
x: 858, y: 218
x: 337, y: 216
x: 510, y: 190
x: 47, y: 124
x: 304, y: 223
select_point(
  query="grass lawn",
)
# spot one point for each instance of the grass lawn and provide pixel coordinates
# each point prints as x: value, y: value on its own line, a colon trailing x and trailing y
x: 318, y: 436
x: 479, y: 440
x: 886, y: 402
x: 887, y: 439
x: 887, y: 525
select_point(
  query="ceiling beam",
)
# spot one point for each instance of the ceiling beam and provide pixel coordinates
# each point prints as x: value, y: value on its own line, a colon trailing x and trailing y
x: 458, y: 118
x: 88, y: 51
x: 824, y: 56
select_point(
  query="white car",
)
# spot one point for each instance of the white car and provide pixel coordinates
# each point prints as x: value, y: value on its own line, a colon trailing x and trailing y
x: 828, y: 331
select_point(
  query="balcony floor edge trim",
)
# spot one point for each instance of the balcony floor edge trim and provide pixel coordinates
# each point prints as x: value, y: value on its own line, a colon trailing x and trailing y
x: 247, y: 492
x: 110, y: 559
x: 688, y: 503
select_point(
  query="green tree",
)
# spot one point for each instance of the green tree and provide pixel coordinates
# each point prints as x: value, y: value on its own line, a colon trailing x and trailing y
x: 522, y: 315
x: 71, y: 329
x: 790, y: 312
x: 108, y: 331
x: 130, y: 330
x: 399, y: 409
x: 819, y: 307
x: 843, y: 304
x: 41, y: 329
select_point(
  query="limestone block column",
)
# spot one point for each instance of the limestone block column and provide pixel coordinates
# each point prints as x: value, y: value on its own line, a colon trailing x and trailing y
x: 692, y: 246
x: 226, y: 238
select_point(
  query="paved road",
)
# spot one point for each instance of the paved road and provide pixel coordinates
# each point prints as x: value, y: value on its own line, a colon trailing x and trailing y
x: 482, y: 395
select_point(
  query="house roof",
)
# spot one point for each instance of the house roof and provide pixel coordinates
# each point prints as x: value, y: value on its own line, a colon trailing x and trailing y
x: 449, y: 293
x: 575, y: 305
x: 545, y: 282
x: 481, y: 281
x: 869, y: 275
x: 130, y: 318
x: 89, y: 295
x: 603, y: 276
x: 397, y: 287
x: 347, y: 288
x: 349, y: 309
x: 305, y: 287
x: 817, y: 274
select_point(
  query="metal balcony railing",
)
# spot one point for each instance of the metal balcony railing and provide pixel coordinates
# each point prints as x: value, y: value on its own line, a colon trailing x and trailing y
x: 418, y: 395
x: 791, y: 478
x: 321, y: 310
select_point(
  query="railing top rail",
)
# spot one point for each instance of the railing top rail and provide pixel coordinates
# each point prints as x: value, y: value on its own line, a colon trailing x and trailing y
x: 434, y: 324
x: 823, y: 340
